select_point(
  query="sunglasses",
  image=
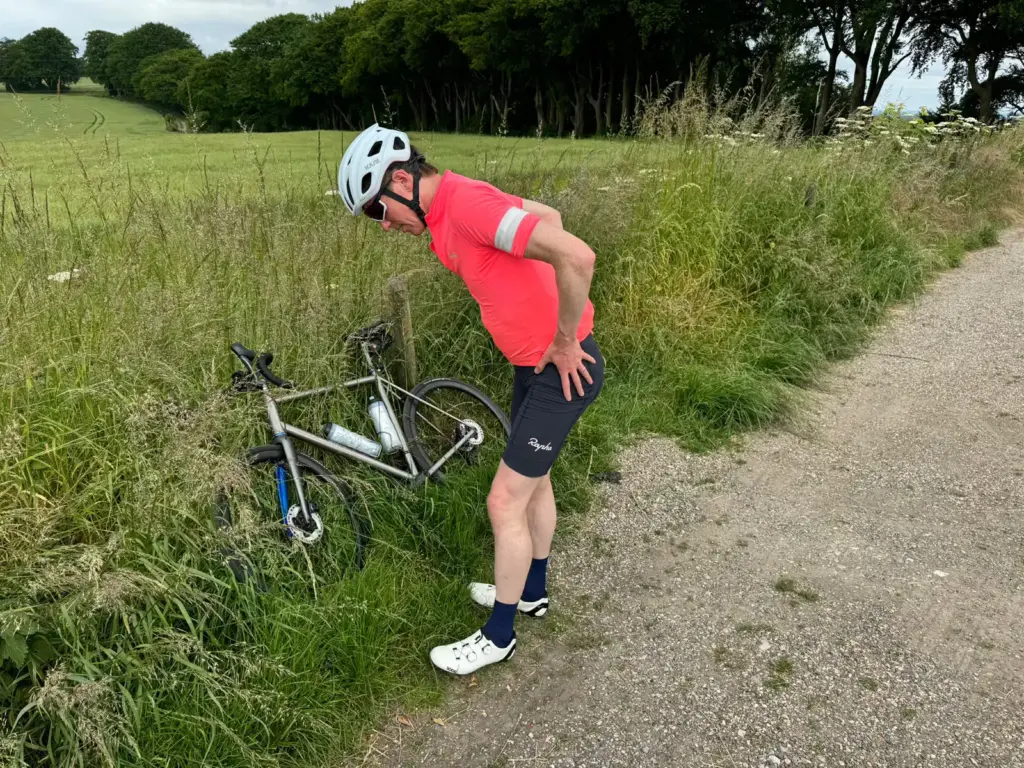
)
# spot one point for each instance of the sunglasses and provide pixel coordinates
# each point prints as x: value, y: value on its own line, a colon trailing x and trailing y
x: 376, y: 209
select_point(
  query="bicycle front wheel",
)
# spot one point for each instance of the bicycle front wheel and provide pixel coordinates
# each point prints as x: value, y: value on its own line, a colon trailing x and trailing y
x: 334, y: 522
x: 440, y: 412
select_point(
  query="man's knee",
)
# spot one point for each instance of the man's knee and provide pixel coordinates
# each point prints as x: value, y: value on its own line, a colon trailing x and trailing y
x: 498, y: 500
x: 508, y: 500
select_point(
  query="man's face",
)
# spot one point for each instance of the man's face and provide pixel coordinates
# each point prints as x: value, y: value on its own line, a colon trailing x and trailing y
x: 399, y: 217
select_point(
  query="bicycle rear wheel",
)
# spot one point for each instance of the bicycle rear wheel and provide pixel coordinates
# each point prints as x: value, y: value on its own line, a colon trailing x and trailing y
x: 439, y: 412
x: 328, y: 497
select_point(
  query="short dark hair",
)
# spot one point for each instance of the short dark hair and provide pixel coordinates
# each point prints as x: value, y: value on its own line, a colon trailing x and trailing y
x: 416, y: 162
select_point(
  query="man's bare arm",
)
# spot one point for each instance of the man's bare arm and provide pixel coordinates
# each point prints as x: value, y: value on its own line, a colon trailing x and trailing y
x: 573, y: 261
x: 545, y: 212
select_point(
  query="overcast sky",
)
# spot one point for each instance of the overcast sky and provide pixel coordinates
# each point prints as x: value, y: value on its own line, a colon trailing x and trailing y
x: 213, y: 23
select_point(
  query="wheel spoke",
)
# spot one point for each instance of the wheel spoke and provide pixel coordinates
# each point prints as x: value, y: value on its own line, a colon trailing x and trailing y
x: 465, y: 409
x: 430, y: 423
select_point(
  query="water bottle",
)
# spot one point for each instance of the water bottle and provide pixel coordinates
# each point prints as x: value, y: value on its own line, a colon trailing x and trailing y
x: 386, y: 432
x: 350, y: 439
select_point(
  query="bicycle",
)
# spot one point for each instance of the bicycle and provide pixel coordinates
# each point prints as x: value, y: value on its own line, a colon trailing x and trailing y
x: 302, y: 489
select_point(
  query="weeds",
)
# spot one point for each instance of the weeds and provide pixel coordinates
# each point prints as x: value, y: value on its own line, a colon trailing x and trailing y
x: 868, y: 683
x: 781, y: 671
x: 788, y: 586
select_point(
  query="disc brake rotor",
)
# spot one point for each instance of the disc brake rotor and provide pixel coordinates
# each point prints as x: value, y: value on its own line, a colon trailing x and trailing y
x: 306, y: 531
x: 467, y: 426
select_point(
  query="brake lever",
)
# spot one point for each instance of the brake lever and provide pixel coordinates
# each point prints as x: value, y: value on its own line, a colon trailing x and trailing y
x: 242, y: 382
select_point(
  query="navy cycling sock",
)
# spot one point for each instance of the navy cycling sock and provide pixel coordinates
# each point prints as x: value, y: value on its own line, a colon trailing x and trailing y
x: 536, y: 581
x: 498, y: 628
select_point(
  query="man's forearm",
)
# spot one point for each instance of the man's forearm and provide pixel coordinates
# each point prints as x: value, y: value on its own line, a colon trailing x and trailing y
x: 573, y: 281
x: 573, y: 262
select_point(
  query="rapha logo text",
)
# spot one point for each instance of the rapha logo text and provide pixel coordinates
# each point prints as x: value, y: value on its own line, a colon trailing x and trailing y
x: 535, y: 444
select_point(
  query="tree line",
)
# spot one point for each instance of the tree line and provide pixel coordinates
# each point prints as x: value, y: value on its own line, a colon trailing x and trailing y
x: 547, y: 66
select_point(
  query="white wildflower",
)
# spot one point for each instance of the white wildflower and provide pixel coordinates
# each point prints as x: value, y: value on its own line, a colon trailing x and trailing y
x: 64, y: 277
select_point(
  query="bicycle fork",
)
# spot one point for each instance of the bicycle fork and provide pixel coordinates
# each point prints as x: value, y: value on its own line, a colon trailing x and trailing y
x: 281, y: 438
x: 282, y: 494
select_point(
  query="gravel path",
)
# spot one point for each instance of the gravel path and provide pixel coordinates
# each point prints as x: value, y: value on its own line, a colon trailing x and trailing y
x: 849, y: 592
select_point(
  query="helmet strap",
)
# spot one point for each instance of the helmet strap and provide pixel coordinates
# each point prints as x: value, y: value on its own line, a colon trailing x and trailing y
x: 414, y: 203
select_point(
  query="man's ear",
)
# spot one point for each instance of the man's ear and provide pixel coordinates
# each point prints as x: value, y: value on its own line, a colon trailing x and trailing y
x: 403, y: 180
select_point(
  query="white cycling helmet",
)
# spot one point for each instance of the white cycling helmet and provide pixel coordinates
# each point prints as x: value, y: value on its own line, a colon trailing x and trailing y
x: 366, y: 162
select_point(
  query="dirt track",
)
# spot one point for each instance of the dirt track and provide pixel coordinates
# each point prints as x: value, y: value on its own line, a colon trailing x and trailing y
x: 847, y: 593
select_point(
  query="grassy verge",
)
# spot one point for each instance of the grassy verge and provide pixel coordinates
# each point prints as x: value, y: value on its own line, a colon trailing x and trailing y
x: 727, y: 276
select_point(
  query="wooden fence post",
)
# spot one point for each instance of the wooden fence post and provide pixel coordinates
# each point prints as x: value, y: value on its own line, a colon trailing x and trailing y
x: 401, y: 316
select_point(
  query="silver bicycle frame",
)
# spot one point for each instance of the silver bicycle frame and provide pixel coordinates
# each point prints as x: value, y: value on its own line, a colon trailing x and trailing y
x: 283, y: 431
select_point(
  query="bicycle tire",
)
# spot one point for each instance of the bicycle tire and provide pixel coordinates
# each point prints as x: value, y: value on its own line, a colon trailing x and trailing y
x: 311, y: 469
x: 418, y: 444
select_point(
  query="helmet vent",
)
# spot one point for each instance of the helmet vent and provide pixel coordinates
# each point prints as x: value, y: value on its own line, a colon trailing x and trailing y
x: 375, y: 149
x: 399, y: 144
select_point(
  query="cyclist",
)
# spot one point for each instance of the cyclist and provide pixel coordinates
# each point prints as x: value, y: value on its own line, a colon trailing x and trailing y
x: 531, y: 279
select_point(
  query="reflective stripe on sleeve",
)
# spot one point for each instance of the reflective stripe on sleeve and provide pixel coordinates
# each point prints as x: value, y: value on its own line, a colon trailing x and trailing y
x: 506, y: 234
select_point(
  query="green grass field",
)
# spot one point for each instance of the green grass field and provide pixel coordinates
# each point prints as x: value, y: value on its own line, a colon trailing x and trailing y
x: 727, y: 277
x: 84, y: 111
x: 56, y: 137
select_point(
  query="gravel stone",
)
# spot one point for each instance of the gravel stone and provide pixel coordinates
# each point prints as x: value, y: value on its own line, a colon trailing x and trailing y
x: 874, y: 617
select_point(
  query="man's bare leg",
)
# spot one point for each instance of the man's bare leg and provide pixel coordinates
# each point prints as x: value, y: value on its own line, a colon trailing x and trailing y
x: 507, y: 504
x: 513, y: 551
x: 542, y: 518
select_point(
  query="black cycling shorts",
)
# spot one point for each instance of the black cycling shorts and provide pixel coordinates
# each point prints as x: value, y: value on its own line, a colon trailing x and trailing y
x: 541, y: 416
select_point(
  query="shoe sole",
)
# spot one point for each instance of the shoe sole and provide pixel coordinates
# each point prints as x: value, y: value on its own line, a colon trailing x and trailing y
x: 537, y: 612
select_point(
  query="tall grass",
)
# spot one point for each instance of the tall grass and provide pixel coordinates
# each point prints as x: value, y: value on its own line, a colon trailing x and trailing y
x: 727, y: 274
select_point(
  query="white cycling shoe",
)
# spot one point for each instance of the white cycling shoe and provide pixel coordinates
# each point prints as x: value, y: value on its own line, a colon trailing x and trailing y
x: 485, y: 595
x: 467, y: 656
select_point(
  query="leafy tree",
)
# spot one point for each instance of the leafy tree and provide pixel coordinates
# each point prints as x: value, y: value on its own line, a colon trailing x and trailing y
x: 52, y: 57
x: 483, y: 65
x: 875, y: 39
x: 430, y: 52
x: 9, y: 55
x: 975, y: 38
x: 799, y: 78
x: 258, y: 100
x: 308, y: 73
x: 208, y: 86
x: 126, y: 54
x: 1008, y: 92
x: 1007, y: 95
x: 501, y: 38
x: 163, y: 79
x: 97, y: 51
x: 43, y: 60
x: 827, y: 20
x: 374, y: 71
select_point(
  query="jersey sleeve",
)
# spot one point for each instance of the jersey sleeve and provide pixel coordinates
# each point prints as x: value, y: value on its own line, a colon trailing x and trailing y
x: 488, y: 217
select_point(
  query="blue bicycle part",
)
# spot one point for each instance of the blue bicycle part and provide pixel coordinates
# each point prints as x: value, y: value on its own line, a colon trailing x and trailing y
x: 282, y: 496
